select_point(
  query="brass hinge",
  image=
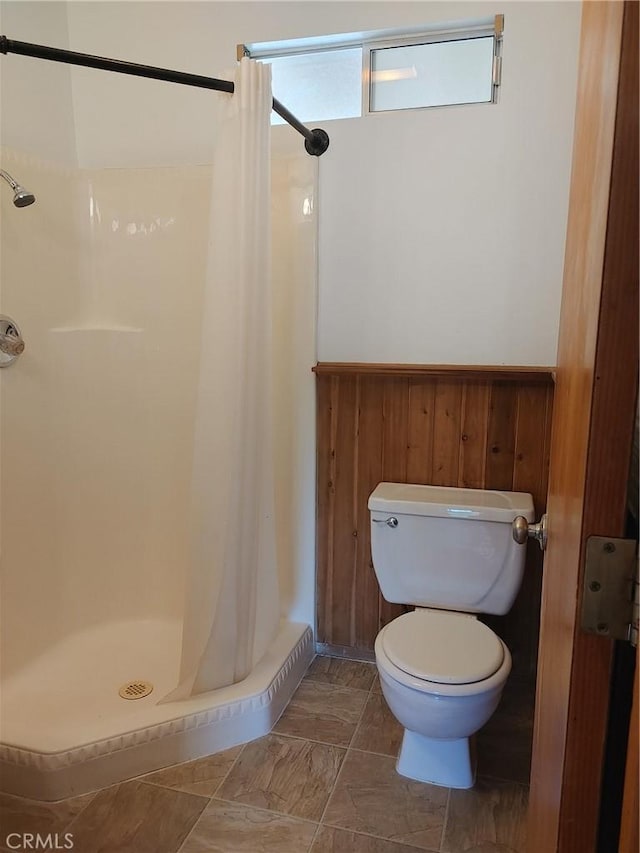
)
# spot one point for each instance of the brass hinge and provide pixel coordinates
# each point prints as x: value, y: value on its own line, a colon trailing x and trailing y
x: 609, y: 595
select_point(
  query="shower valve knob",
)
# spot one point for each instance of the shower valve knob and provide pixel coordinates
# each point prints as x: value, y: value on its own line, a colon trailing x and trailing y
x: 11, y: 342
x: 11, y: 345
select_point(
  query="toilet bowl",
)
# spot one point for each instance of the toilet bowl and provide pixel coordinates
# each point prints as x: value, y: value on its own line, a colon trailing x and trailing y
x: 451, y: 553
x: 442, y: 675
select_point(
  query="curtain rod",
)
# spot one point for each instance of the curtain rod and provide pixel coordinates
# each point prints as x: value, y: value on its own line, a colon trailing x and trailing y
x: 316, y: 140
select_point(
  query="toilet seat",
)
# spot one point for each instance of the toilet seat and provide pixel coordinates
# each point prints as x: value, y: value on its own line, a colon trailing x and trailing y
x: 441, y: 647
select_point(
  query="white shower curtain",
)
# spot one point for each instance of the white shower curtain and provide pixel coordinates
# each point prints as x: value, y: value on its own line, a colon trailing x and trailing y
x: 232, y: 605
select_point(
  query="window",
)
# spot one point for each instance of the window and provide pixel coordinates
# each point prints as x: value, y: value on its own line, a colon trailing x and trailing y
x: 320, y: 85
x: 435, y: 74
x: 361, y: 73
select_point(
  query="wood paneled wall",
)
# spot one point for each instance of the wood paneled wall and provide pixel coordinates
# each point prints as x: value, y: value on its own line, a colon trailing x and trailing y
x: 440, y: 425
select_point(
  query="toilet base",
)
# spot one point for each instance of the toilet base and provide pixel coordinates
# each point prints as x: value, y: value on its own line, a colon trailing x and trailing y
x: 450, y: 763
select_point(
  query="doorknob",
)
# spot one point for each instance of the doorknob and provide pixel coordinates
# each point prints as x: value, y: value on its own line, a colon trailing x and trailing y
x: 521, y: 529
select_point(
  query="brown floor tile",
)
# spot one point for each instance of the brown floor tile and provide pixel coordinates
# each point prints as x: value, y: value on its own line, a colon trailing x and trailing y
x: 371, y: 797
x: 20, y: 815
x: 376, y: 686
x: 518, y: 700
x: 505, y: 752
x: 331, y: 840
x: 490, y: 818
x: 284, y: 774
x: 347, y: 673
x: 202, y: 776
x: 136, y: 818
x: 504, y: 745
x: 378, y: 730
x: 231, y: 827
x: 324, y: 712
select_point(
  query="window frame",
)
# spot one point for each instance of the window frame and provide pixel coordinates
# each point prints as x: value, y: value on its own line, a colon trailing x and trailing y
x: 431, y: 38
x: 384, y: 39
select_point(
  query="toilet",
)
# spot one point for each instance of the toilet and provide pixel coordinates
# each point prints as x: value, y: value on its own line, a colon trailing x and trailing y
x: 451, y: 554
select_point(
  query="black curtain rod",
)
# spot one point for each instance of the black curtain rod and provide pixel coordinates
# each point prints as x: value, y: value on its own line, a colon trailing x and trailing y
x: 316, y: 140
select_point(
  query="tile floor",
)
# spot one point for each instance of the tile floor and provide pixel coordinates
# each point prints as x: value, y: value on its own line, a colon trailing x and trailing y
x: 323, y: 781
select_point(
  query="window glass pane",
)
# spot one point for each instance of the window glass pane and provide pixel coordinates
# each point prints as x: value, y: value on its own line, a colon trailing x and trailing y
x: 317, y: 86
x: 431, y: 75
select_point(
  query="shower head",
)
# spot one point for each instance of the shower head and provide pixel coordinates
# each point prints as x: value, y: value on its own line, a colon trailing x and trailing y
x: 21, y: 197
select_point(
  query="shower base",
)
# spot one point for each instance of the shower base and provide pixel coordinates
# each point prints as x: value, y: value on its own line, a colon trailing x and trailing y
x: 65, y: 730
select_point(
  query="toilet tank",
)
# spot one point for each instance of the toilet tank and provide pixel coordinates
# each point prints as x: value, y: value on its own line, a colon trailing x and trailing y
x: 451, y: 548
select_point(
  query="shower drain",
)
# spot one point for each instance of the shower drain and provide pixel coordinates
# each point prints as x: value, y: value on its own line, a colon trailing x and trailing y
x: 135, y: 689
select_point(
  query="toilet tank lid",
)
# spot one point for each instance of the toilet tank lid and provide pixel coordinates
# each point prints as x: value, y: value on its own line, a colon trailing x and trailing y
x: 445, y: 502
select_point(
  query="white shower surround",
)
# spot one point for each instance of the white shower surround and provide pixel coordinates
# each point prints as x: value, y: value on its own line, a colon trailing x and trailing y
x: 97, y: 437
x: 150, y: 736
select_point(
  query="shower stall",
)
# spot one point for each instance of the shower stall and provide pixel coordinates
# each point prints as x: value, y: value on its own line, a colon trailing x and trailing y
x: 103, y: 279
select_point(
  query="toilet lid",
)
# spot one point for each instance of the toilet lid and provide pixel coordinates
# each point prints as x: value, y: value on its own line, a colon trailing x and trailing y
x: 447, y: 648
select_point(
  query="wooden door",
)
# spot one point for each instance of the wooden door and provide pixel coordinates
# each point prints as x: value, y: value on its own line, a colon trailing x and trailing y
x: 592, y: 428
x: 629, y: 834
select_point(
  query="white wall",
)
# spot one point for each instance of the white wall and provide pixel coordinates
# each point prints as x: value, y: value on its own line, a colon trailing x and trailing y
x: 441, y: 231
x: 35, y: 96
x: 124, y: 121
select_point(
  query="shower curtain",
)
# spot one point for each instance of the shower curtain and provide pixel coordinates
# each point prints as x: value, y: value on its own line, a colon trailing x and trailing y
x: 232, y: 603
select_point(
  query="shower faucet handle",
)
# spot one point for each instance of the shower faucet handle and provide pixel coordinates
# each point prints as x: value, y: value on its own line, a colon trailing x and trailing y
x: 11, y: 342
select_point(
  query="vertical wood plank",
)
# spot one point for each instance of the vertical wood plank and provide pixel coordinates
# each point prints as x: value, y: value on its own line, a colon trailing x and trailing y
x: 473, y: 437
x: 501, y: 436
x: 344, y: 539
x: 326, y: 398
x: 547, y: 442
x: 395, y: 438
x: 528, y: 474
x: 394, y: 459
x: 386, y: 427
x: 629, y: 840
x: 420, y: 439
x: 516, y: 442
x: 446, y: 432
x: 368, y: 474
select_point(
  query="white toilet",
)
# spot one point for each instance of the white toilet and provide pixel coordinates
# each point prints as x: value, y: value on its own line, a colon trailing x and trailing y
x: 449, y: 552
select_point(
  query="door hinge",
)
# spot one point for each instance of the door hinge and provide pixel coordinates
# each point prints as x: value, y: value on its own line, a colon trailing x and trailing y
x: 610, y: 591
